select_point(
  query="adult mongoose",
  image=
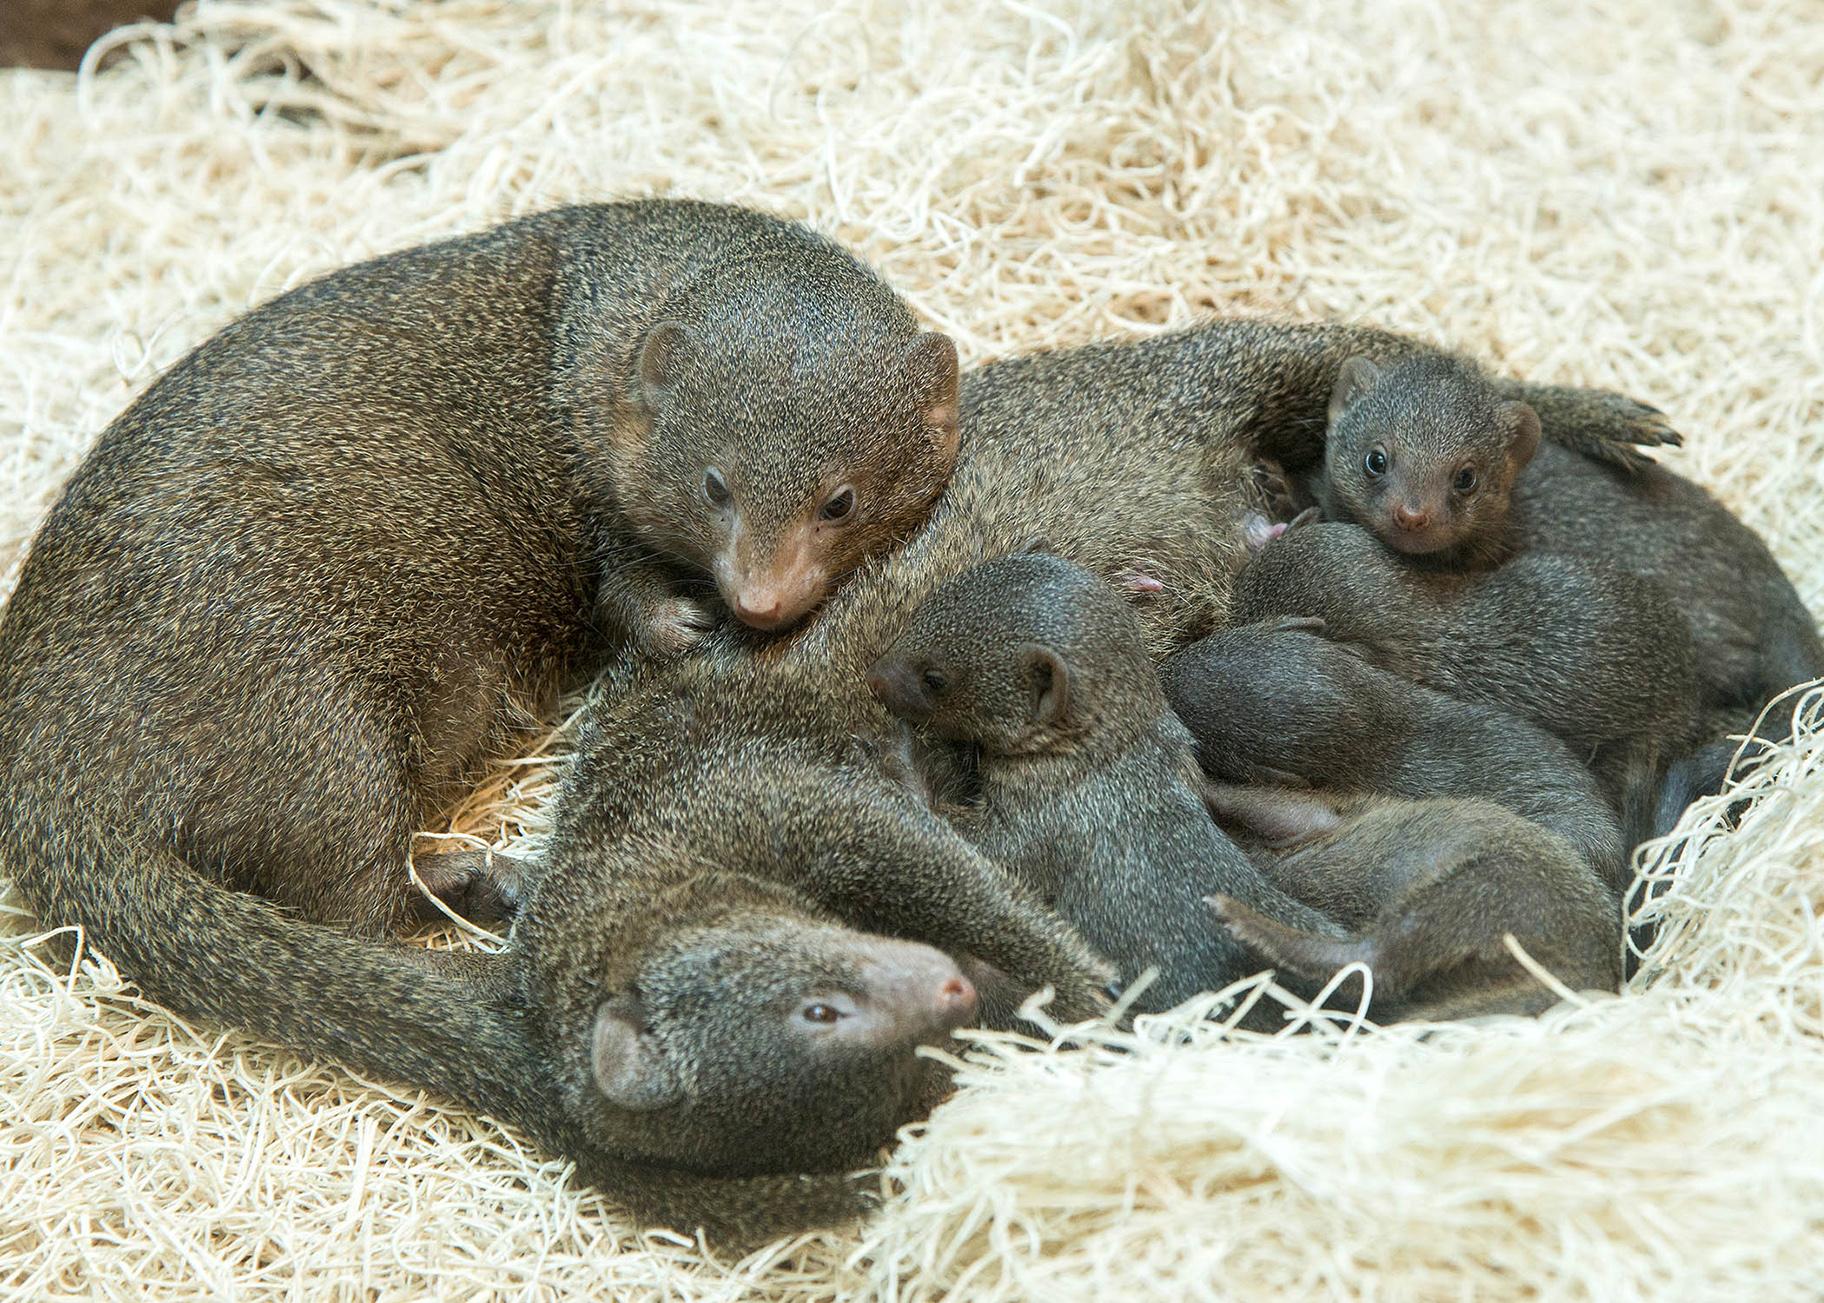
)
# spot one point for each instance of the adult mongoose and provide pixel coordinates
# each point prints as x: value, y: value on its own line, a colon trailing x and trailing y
x: 299, y: 585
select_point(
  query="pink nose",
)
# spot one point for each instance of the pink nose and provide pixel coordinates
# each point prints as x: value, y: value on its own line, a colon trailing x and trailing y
x: 762, y: 610
x: 1408, y: 518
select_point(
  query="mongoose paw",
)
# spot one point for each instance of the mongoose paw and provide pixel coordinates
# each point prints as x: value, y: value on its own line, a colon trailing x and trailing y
x: 677, y: 625
x: 1273, y: 486
x: 1257, y: 531
x: 1634, y: 425
x: 481, y: 886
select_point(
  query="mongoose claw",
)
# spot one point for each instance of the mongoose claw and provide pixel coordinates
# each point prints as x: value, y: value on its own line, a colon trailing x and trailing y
x: 1629, y: 427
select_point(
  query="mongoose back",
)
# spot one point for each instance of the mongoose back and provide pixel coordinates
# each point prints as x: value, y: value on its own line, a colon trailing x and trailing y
x: 1427, y: 890
x: 1088, y: 789
x: 1425, y: 453
x: 1594, y: 655
x: 1277, y: 704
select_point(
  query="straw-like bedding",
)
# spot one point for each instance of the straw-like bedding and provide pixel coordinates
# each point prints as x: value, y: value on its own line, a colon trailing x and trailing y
x: 1627, y: 193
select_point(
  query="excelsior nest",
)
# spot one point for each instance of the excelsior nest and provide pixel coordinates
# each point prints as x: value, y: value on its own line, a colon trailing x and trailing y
x: 1625, y: 193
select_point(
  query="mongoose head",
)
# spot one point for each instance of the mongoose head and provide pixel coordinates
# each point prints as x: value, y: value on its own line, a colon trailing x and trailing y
x: 1424, y: 453
x: 795, y: 426
x: 751, y: 1036
x: 1020, y: 655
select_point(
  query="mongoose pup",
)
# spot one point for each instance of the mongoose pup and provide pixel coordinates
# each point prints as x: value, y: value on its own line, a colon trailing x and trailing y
x: 1597, y: 656
x: 1428, y: 453
x: 1276, y: 703
x: 1088, y: 788
x: 1425, y: 453
x: 1427, y: 889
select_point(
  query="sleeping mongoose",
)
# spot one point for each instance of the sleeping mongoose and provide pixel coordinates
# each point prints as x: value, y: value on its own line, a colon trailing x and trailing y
x: 1594, y: 655
x: 1278, y: 704
x: 1426, y: 891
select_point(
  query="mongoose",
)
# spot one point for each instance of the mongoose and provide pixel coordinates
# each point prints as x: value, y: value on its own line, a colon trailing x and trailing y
x: 1751, y: 634
x: 1597, y: 656
x: 290, y: 596
x: 725, y: 979
x: 311, y: 575
x: 1089, y: 791
x: 1429, y: 454
x: 1425, y: 453
x: 1427, y: 890
x: 1277, y: 703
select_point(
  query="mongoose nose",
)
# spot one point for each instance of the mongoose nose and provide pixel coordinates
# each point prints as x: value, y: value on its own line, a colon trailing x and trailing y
x: 1413, y: 518
x: 761, y: 610
x: 894, y: 687
x: 956, y: 1001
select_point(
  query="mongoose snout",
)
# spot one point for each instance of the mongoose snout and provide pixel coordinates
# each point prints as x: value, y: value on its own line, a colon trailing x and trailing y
x: 911, y: 992
x: 899, y: 685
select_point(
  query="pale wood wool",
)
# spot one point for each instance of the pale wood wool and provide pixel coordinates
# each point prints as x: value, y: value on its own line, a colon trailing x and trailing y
x: 1625, y: 194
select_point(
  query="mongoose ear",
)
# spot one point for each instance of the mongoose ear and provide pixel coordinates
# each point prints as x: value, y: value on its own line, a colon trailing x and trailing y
x: 1522, y: 424
x: 1357, y: 376
x: 629, y: 1068
x: 661, y: 358
x: 1048, y: 678
x: 936, y: 381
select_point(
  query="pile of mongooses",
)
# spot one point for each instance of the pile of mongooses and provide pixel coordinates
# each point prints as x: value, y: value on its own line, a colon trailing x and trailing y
x: 332, y: 559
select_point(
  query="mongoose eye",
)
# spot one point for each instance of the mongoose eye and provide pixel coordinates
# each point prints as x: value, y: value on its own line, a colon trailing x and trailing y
x: 935, y: 681
x: 1465, y: 483
x: 820, y: 1013
x: 1375, y: 463
x: 715, y: 488
x: 841, y: 505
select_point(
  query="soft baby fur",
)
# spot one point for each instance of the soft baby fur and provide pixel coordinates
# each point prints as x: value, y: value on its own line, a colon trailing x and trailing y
x: 1627, y: 193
